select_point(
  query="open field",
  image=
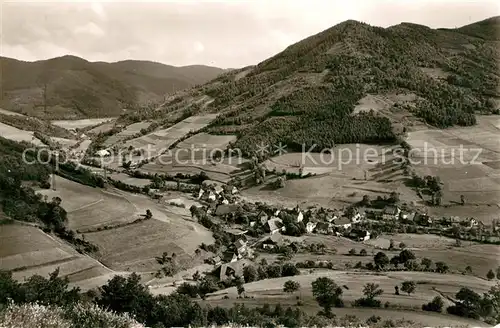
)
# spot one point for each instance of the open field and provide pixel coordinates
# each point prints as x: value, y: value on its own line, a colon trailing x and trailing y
x: 65, y: 143
x: 27, y: 251
x: 200, y: 146
x: 219, y: 170
x: 125, y: 178
x: 429, y: 285
x: 132, y: 247
x: 80, y: 124
x: 8, y: 112
x: 160, y: 140
x: 481, y: 257
x: 419, y: 319
x: 15, y: 134
x: 340, y: 177
x: 466, y: 159
x: 89, y: 207
x: 128, y: 132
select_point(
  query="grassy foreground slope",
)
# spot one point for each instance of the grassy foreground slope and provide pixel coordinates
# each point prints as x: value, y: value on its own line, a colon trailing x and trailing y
x: 308, y: 93
x: 71, y: 87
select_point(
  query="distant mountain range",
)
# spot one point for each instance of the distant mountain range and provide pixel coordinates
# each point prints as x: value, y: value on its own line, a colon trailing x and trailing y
x: 71, y: 87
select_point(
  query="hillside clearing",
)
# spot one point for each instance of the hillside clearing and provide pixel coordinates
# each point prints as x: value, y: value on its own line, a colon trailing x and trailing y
x: 81, y: 124
x: 129, y: 131
x: 27, y: 251
x: 15, y: 134
x: 132, y: 247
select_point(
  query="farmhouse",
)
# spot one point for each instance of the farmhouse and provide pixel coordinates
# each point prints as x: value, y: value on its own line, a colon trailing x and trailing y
x: 263, y: 218
x: 343, y: 223
x: 359, y: 234
x: 228, y: 271
x: 102, y: 153
x: 216, y: 260
x: 274, y: 225
x: 450, y: 221
x: 310, y: 226
x: 297, y: 213
x: 408, y: 216
x: 229, y: 256
x: 324, y: 228
x: 241, y: 247
x: 391, y: 213
x: 237, y: 234
x: 357, y: 215
x: 422, y: 219
x: 273, y: 241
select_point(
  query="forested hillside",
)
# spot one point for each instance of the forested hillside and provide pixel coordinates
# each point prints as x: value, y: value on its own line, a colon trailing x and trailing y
x: 307, y: 93
x: 71, y: 87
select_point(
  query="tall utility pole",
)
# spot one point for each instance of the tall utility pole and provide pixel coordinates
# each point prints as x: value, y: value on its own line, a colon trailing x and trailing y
x: 45, y: 98
x: 54, y: 179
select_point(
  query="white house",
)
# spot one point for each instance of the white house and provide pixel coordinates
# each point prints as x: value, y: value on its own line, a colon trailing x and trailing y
x: 218, y: 189
x: 300, y: 217
x: 356, y: 217
x: 234, y: 190
x: 342, y: 222
x: 102, y: 153
x: 472, y: 222
x: 211, y: 196
x: 391, y: 212
x: 359, y: 234
x: 310, y: 226
x: 275, y: 225
x: 200, y: 193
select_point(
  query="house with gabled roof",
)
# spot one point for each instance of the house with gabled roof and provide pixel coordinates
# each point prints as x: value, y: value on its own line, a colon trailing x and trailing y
x: 241, y: 247
x: 263, y: 218
x: 391, y: 213
x: 274, y: 225
x: 232, y: 270
x: 310, y: 226
x: 343, y: 223
x: 275, y: 240
x: 324, y: 228
x: 359, y: 234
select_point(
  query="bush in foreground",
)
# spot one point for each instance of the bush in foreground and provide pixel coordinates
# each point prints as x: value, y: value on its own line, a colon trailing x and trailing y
x: 78, y: 316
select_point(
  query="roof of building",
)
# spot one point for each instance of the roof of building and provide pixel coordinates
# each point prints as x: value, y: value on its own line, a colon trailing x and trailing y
x: 236, y: 232
x: 274, y: 223
x: 224, y: 209
x: 240, y: 243
x: 322, y: 226
x: 236, y: 267
x: 276, y: 239
x: 391, y: 210
x: 342, y: 221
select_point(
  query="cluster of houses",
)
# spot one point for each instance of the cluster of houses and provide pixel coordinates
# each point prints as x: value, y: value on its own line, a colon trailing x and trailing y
x: 216, y: 193
x: 222, y: 202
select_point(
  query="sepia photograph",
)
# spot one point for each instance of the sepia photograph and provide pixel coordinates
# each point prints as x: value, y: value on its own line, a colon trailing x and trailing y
x: 249, y: 163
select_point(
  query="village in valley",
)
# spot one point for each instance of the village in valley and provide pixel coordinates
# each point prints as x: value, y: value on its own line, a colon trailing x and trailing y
x: 263, y: 228
x: 352, y: 180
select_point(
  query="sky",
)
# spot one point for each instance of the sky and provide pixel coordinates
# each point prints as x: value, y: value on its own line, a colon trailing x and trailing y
x: 226, y: 34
